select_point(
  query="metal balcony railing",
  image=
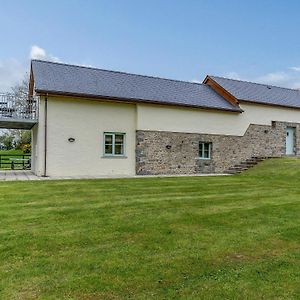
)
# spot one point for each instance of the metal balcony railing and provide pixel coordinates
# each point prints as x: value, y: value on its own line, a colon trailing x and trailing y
x: 18, y: 107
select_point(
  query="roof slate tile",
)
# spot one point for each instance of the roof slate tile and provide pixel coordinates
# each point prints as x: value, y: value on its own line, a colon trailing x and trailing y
x: 260, y: 93
x: 86, y: 81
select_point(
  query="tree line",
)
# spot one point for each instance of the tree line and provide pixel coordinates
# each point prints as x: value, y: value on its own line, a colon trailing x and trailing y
x: 16, y: 139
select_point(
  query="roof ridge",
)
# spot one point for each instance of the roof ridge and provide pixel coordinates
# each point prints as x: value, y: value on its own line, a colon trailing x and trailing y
x: 247, y: 81
x: 119, y: 72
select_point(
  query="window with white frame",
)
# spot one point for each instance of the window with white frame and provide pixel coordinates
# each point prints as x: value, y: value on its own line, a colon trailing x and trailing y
x: 114, y: 144
x: 204, y: 150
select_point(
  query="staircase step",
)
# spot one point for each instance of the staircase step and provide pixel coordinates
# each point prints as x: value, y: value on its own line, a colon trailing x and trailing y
x: 260, y: 157
x: 250, y: 160
x: 246, y: 164
x: 233, y: 172
x: 237, y: 169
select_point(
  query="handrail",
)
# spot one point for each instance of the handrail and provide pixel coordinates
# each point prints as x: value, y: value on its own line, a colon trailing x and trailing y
x: 20, y: 107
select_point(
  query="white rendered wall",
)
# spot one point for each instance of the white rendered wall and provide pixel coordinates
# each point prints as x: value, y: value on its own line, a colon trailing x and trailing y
x: 86, y: 121
x: 179, y: 119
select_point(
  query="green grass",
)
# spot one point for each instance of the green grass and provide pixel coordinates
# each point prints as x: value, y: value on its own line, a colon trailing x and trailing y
x: 235, y: 237
x: 12, y: 151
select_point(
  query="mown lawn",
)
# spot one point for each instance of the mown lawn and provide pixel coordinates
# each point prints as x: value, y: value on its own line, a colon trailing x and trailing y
x: 235, y: 237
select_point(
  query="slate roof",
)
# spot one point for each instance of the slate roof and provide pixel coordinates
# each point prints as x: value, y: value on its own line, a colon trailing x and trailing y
x: 85, y: 81
x: 260, y: 93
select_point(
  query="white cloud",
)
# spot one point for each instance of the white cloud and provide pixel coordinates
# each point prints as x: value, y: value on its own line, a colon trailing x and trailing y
x: 290, y: 78
x: 196, y: 81
x: 275, y: 78
x: 296, y: 69
x: 37, y: 52
x: 296, y: 85
x: 11, y: 73
x: 233, y: 75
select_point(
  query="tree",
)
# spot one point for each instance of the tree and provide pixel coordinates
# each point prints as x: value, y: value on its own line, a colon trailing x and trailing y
x: 7, y: 140
x: 21, y: 138
x: 16, y: 139
x: 20, y: 90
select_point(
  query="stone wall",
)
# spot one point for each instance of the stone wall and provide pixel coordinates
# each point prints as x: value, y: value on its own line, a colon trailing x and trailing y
x: 162, y: 152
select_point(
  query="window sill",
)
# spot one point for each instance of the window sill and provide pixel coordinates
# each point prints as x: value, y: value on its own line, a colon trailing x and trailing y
x: 202, y: 158
x: 113, y: 156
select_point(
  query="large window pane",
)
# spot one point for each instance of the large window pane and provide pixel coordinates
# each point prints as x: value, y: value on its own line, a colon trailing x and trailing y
x: 119, y: 149
x: 108, y: 139
x: 204, y: 150
x: 108, y: 149
x: 206, y: 154
x: 119, y: 138
x: 201, y: 150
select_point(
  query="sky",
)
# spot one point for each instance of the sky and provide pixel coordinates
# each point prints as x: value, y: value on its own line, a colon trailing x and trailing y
x: 254, y: 40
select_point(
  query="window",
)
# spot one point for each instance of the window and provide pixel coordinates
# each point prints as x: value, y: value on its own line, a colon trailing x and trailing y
x: 114, y: 144
x: 204, y: 150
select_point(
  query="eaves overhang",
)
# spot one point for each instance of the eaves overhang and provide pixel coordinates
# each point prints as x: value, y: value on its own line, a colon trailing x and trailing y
x: 41, y: 92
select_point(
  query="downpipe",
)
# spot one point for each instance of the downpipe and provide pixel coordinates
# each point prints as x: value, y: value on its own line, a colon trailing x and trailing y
x: 45, y: 135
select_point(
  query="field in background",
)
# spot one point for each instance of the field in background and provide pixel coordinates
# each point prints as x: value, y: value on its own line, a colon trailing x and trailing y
x: 233, y: 237
x: 11, y: 152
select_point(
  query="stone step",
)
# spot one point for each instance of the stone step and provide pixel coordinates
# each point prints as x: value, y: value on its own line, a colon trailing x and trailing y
x: 257, y: 159
x: 237, y: 169
x: 247, y: 164
x: 254, y: 161
x: 233, y: 172
x: 242, y: 167
x: 261, y: 157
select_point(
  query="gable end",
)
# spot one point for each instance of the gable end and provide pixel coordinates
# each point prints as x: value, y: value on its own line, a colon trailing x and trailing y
x: 221, y: 91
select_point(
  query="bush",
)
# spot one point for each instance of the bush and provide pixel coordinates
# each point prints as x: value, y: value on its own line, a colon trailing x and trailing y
x: 26, y: 148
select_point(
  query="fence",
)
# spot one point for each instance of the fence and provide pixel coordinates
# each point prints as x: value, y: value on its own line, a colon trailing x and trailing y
x: 15, y: 161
